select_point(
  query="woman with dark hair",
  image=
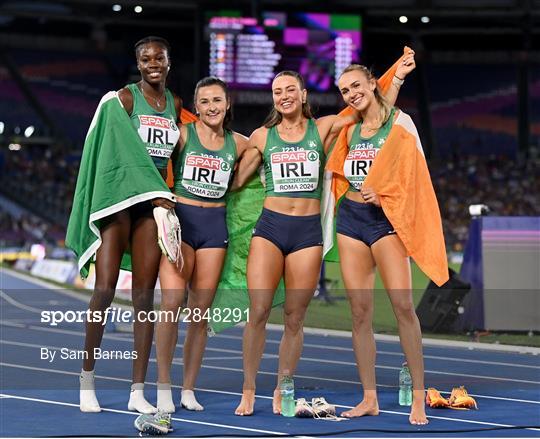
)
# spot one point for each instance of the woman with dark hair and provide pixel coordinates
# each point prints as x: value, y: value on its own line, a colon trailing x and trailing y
x: 287, y: 240
x: 203, y: 167
x: 153, y: 111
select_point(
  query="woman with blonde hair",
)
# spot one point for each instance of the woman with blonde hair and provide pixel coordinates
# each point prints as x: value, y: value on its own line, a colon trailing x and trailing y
x: 382, y: 144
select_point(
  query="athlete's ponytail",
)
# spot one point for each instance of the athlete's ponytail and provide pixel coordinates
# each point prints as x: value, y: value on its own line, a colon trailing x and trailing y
x: 275, y: 117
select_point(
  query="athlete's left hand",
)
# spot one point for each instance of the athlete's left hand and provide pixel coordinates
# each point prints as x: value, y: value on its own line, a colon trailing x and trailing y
x: 163, y: 202
x: 370, y: 196
x: 406, y: 66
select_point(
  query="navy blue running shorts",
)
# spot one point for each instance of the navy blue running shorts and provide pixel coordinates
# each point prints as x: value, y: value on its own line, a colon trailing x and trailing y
x: 144, y: 209
x: 363, y: 221
x: 203, y: 227
x: 289, y: 233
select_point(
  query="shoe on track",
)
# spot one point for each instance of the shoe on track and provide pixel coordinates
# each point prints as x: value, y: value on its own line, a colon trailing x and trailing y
x: 303, y: 409
x: 321, y: 408
x: 154, y: 425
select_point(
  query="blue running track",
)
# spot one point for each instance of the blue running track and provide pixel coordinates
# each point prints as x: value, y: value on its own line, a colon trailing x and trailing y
x: 39, y: 398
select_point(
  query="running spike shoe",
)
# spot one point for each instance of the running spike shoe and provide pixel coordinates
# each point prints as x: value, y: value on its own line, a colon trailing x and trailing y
x: 303, y: 409
x: 322, y: 409
x: 154, y: 425
x: 434, y: 399
x: 169, y: 235
x: 460, y: 399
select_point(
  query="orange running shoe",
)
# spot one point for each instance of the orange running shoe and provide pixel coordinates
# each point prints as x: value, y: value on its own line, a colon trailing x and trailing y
x: 435, y: 400
x: 460, y: 399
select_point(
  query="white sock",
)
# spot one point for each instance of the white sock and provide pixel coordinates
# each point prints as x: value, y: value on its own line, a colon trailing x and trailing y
x: 88, y: 402
x: 164, y: 398
x: 189, y: 401
x: 137, y: 402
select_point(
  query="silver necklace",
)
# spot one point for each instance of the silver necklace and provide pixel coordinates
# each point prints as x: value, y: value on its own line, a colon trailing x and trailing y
x: 156, y: 100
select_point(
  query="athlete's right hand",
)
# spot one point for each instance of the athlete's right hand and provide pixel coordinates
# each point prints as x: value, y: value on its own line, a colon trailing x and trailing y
x: 370, y: 196
x: 163, y: 202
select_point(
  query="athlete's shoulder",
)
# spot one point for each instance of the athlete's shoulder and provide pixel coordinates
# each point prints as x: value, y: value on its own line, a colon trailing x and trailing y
x: 126, y: 98
x: 238, y: 137
x: 260, y: 133
x: 350, y: 130
x: 258, y: 138
x: 242, y: 142
x: 324, y: 121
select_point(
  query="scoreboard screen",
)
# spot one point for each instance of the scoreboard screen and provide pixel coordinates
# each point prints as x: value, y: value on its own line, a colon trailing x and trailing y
x: 247, y: 53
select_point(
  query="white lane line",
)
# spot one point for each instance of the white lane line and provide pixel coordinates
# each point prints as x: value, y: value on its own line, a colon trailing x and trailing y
x: 125, y: 412
x: 430, y: 342
x: 12, y: 324
x: 239, y: 370
x: 448, y: 419
x: 203, y: 366
x: 398, y: 354
x: 391, y: 412
x: 18, y: 304
x: 307, y: 359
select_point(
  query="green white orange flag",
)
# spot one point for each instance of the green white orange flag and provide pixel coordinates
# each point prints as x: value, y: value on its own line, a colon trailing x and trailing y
x: 400, y: 177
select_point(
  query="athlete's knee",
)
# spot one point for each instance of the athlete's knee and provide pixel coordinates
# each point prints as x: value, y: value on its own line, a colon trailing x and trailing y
x: 294, y: 320
x: 171, y: 300
x: 258, y: 315
x: 143, y: 299
x: 102, y: 298
x: 198, y: 321
x: 361, y: 314
x: 404, y: 311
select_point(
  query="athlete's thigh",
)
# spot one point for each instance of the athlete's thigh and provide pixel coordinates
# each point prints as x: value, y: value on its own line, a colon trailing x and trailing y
x: 356, y: 263
x: 173, y: 279
x: 172, y: 275
x: 393, y: 263
x: 302, y: 272
x: 115, y: 232
x: 264, y: 271
x: 206, y: 274
x: 145, y: 252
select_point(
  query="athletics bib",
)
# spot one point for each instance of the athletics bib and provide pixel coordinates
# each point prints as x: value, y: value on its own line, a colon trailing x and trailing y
x: 295, y: 171
x: 357, y: 164
x: 206, y: 175
x: 159, y: 134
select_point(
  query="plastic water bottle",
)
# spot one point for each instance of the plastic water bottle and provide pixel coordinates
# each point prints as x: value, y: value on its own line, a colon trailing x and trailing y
x: 286, y: 389
x: 405, y: 385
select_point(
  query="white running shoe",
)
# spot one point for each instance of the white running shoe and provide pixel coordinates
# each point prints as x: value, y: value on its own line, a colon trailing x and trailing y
x: 169, y: 235
x: 157, y: 424
x: 303, y: 409
x: 321, y: 408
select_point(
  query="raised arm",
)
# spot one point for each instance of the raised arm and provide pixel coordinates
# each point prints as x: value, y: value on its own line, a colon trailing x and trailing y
x: 250, y: 159
x: 406, y: 66
x: 330, y: 126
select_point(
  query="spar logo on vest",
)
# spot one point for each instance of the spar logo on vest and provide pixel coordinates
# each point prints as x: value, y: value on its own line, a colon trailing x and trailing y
x: 359, y: 161
x: 295, y: 169
x: 206, y: 175
x: 159, y: 134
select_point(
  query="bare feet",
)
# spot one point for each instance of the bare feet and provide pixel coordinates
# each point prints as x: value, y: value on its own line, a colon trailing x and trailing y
x: 276, y: 402
x: 368, y: 407
x: 245, y: 408
x: 418, y: 409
